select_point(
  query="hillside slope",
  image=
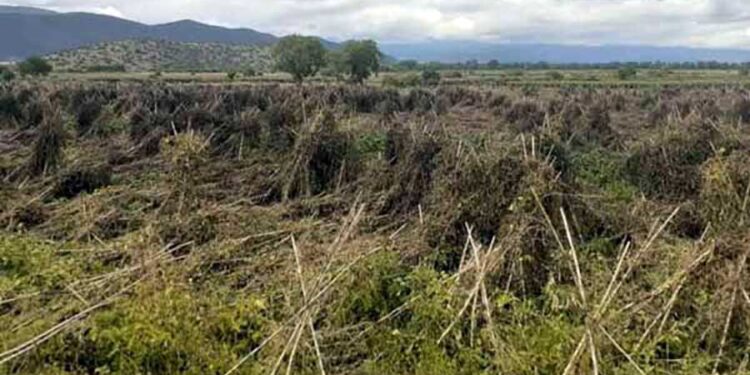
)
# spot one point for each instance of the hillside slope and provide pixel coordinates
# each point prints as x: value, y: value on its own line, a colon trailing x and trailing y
x: 25, y: 32
x: 150, y: 55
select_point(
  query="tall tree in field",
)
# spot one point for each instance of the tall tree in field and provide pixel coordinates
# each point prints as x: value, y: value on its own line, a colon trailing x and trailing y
x: 360, y: 59
x: 300, y: 56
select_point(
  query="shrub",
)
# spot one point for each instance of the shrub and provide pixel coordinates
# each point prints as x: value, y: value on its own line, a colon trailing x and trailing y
x: 526, y: 115
x: 725, y: 188
x: 6, y: 75
x: 485, y: 180
x: 47, y: 154
x: 625, y: 74
x: 741, y: 110
x: 668, y: 168
x: 115, y: 68
x: 250, y: 72
x: 555, y: 76
x: 10, y: 108
x: 194, y: 228
x: 323, y: 157
x: 605, y: 170
x: 162, y: 331
x: 82, y: 180
x: 231, y: 76
x: 109, y: 123
x: 453, y: 74
x: 280, y: 122
x: 35, y: 66
x: 403, y: 80
x: 86, y: 114
x: 430, y: 77
x: 413, y: 159
x: 185, y: 153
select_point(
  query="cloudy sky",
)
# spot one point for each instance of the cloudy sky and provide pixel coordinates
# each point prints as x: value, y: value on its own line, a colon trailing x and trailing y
x: 713, y: 23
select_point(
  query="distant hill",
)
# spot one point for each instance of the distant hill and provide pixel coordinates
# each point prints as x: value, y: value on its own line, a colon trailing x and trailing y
x: 152, y: 55
x: 459, y: 51
x: 30, y: 31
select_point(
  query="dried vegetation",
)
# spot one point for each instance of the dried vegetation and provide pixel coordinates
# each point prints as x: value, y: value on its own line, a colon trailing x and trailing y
x: 165, y: 229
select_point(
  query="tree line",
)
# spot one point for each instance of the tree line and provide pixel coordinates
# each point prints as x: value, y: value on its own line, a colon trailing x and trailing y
x: 306, y: 56
x: 411, y: 65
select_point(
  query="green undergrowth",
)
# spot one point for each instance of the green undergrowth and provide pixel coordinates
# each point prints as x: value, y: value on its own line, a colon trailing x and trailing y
x: 604, y: 171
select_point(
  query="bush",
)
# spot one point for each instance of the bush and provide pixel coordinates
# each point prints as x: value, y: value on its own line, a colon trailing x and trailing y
x: 605, y: 170
x: 166, y: 330
x: 10, y: 108
x: 35, y: 66
x: 6, y: 75
x: 82, y: 180
x: 624, y: 74
x: 741, y: 110
x: 724, y: 190
x: 250, y: 72
x: 231, y: 76
x: 116, y: 68
x: 526, y: 115
x: 401, y: 81
x: 413, y: 158
x: 194, y: 228
x: 185, y: 153
x: 555, y: 76
x: 430, y: 77
x: 47, y: 153
x: 669, y: 168
x: 323, y: 157
x: 454, y: 74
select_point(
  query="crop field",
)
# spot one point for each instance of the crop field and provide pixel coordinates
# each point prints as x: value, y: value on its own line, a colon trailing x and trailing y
x: 158, y: 227
x: 596, y: 78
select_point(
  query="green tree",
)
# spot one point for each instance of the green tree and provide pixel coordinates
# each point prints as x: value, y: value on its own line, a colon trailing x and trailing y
x: 299, y: 56
x: 35, y: 66
x: 335, y: 65
x: 358, y: 59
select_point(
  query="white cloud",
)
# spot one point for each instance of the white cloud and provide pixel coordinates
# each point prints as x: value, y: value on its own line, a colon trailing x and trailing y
x: 716, y: 23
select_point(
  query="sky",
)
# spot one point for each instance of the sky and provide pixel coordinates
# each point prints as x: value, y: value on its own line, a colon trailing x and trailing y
x: 695, y: 23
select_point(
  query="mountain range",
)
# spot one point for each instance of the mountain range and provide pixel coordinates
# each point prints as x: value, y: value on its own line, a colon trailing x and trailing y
x: 26, y: 31
x: 30, y: 31
x: 460, y: 51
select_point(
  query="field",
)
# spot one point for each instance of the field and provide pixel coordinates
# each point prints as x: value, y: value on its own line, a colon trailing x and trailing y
x: 604, y: 78
x: 492, y: 224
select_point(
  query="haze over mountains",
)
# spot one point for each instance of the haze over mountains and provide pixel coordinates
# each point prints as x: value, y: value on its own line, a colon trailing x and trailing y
x: 28, y: 31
